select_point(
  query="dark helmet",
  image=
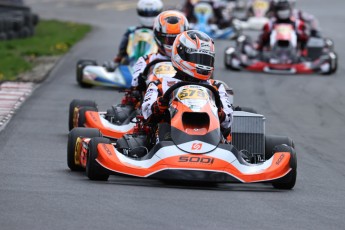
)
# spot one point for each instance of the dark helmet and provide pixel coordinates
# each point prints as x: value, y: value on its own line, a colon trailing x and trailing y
x: 282, y: 9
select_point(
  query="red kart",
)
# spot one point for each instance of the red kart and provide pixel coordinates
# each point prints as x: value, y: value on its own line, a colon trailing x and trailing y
x: 283, y: 55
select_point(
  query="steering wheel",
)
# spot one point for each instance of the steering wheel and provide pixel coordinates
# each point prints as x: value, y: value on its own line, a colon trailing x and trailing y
x: 168, y: 93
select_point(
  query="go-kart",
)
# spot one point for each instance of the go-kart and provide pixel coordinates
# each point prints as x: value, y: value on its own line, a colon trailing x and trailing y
x: 203, y: 13
x: 283, y: 55
x: 256, y: 16
x: 119, y: 119
x: 89, y: 73
x: 190, y: 146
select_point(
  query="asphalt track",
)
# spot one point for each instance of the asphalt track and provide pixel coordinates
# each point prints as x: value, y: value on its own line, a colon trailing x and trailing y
x: 37, y: 191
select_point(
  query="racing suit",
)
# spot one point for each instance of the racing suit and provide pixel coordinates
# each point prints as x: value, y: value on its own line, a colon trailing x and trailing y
x: 140, y: 65
x: 157, y: 89
x: 124, y: 42
x: 299, y: 26
x: 309, y: 20
x: 138, y: 84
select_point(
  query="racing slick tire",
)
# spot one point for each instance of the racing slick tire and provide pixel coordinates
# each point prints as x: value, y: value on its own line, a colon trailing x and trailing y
x: 81, y: 64
x: 81, y: 115
x: 74, y: 104
x: 333, y: 58
x: 93, y: 170
x: 288, y: 181
x: 245, y: 109
x: 272, y: 141
x: 71, y: 145
x: 227, y: 62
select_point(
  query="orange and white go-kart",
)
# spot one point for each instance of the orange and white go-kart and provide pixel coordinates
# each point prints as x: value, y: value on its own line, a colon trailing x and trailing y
x: 190, y: 147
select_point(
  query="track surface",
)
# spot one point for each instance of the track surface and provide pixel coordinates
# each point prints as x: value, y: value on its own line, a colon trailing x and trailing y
x: 37, y: 191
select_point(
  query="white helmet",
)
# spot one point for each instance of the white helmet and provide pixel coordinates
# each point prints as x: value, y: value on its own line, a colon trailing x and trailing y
x: 148, y: 10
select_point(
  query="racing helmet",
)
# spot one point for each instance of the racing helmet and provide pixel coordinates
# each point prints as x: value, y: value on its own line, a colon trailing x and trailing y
x: 282, y: 9
x: 167, y: 26
x: 193, y: 54
x: 293, y: 3
x: 148, y: 11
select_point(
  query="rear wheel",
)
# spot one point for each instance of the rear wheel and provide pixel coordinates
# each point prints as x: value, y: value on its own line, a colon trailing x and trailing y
x: 272, y: 141
x: 81, y: 64
x: 93, y: 170
x: 246, y: 109
x: 75, y: 104
x: 72, y: 144
x: 289, y: 180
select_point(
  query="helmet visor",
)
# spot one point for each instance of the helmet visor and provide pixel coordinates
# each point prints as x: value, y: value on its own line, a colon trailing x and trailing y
x: 165, y: 39
x: 193, y: 56
x: 284, y: 14
x: 201, y: 59
x: 148, y: 13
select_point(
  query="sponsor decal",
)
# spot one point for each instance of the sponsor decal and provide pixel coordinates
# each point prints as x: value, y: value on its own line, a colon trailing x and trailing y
x: 196, y: 146
x: 199, y: 160
x: 280, y: 159
x: 204, y: 45
x: 93, y: 117
x: 164, y: 69
x: 107, y: 149
x: 189, y: 93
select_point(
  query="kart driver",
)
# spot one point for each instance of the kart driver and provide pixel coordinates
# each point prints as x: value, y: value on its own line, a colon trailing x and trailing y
x: 167, y: 26
x: 282, y: 12
x: 309, y: 20
x: 217, y: 7
x: 147, y: 12
x: 193, y: 58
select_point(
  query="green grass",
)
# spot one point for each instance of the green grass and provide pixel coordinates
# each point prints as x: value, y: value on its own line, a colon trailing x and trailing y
x: 51, y: 38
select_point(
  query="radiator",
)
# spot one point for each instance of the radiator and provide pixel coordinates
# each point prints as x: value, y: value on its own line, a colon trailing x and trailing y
x: 248, y: 132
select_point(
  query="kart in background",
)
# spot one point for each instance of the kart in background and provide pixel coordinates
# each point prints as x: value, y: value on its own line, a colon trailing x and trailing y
x: 89, y: 73
x: 256, y: 16
x: 191, y: 146
x: 203, y: 13
x: 283, y: 55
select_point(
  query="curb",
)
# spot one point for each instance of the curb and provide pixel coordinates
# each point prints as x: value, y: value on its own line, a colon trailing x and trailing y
x: 12, y: 95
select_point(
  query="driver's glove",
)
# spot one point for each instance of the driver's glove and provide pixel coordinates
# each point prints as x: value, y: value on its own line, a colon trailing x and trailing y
x: 118, y: 59
x: 160, y: 105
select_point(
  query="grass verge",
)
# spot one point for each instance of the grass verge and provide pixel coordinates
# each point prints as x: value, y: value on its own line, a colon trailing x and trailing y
x: 51, y: 38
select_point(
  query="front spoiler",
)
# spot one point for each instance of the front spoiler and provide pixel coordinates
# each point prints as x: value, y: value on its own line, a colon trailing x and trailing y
x: 170, y: 163
x: 94, y: 120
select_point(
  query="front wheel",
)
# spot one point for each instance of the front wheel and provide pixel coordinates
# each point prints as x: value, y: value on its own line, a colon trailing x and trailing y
x: 72, y: 146
x: 229, y: 60
x: 93, y: 170
x: 76, y: 104
x: 288, y: 181
x: 272, y: 141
